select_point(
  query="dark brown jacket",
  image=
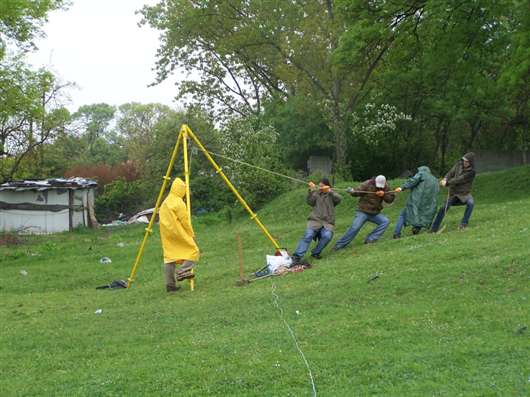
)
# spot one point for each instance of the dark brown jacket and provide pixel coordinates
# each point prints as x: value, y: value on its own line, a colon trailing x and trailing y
x: 369, y: 202
x: 323, y: 213
x: 460, y: 179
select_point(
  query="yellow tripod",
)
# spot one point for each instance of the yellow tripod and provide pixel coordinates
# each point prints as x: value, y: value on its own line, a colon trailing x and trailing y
x: 185, y: 134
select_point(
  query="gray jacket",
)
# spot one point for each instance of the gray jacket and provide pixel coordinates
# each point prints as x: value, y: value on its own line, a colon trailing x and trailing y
x: 323, y: 213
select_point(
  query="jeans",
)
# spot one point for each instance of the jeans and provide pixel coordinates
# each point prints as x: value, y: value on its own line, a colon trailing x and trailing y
x: 358, y: 221
x: 401, y: 222
x: 324, y: 237
x: 469, y: 203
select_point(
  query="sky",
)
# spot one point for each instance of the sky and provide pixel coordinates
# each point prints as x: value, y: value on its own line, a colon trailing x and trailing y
x: 98, y: 45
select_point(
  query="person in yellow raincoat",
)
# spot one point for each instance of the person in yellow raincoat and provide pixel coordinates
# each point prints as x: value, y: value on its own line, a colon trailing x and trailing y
x: 178, y: 239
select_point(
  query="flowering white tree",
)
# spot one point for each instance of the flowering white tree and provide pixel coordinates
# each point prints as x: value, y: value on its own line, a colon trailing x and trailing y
x: 375, y: 123
x: 247, y: 140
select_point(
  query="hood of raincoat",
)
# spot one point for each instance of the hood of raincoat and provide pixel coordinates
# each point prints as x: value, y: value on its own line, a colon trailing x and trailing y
x: 176, y: 231
x: 178, y: 188
x: 424, y: 168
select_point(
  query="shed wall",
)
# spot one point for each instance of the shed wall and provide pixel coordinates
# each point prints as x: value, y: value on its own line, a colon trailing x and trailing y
x: 38, y: 221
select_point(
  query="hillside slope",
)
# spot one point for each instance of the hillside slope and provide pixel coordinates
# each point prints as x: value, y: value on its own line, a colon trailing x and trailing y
x: 448, y: 316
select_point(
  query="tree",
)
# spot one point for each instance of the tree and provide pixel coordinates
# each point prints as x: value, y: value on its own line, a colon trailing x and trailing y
x: 21, y: 21
x: 302, y: 129
x: 32, y: 115
x: 136, y: 123
x: 444, y: 69
x: 245, y: 51
x: 515, y: 76
x: 92, y: 123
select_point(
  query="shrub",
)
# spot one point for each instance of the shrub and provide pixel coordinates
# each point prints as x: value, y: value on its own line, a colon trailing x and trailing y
x: 118, y: 197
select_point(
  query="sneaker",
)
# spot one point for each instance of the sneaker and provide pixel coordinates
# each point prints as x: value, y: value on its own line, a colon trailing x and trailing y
x: 296, y: 260
x: 263, y: 272
x: 396, y: 236
x: 171, y: 289
x: 316, y: 256
x: 370, y: 241
x: 462, y: 227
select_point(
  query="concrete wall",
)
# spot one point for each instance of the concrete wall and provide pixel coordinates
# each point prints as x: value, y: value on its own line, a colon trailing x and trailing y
x: 489, y: 160
x: 320, y: 164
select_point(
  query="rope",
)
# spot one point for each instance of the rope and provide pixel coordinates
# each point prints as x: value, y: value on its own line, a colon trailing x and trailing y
x: 275, y: 300
x: 282, y: 175
x: 259, y: 168
x: 441, y: 229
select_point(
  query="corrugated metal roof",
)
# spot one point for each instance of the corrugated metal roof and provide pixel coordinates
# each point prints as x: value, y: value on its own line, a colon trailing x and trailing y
x: 47, y: 184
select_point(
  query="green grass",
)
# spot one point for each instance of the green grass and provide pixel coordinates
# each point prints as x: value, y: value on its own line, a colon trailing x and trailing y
x: 445, y: 318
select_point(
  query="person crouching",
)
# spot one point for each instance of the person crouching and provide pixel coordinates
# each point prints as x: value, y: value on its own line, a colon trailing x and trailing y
x: 321, y: 221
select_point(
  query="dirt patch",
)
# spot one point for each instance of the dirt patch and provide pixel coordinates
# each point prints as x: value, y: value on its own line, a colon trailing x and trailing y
x: 10, y: 239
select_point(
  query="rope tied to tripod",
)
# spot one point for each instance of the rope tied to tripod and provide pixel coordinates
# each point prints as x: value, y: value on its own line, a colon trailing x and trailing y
x: 297, y: 180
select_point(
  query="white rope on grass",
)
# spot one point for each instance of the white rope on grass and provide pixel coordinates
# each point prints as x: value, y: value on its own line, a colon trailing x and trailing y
x: 275, y: 300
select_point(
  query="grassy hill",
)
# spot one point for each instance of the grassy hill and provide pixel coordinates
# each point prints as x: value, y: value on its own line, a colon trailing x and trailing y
x: 448, y: 316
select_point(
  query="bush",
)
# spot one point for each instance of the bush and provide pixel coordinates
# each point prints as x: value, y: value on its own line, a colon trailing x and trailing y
x: 118, y: 197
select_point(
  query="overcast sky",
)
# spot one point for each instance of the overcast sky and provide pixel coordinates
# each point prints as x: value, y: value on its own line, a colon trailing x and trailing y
x: 98, y: 45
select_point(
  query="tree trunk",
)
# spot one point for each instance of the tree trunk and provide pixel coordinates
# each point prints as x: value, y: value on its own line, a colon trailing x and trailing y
x: 475, y: 130
x: 340, y: 131
x: 444, y: 145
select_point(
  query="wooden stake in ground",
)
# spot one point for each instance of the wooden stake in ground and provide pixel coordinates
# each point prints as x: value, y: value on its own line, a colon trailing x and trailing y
x: 242, y: 279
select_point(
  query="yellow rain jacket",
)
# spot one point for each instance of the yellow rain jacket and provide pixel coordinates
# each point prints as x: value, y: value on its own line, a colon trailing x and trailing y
x: 176, y: 232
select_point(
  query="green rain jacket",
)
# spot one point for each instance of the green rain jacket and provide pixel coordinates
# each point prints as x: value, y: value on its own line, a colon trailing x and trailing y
x: 422, y: 202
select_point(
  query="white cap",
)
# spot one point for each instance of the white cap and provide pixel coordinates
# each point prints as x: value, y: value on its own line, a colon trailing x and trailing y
x: 380, y: 181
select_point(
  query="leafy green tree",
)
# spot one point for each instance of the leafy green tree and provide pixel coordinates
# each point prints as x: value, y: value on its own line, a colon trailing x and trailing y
x: 93, y: 124
x: 136, y: 124
x: 515, y: 75
x: 443, y: 69
x: 248, y: 51
x: 32, y: 115
x: 302, y: 130
x: 21, y: 21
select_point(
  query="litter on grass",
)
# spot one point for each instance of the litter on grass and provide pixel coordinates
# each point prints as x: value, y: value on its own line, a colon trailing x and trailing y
x: 278, y: 265
x: 274, y: 262
x: 116, y: 284
x: 23, y: 273
x: 374, y: 277
x: 105, y: 260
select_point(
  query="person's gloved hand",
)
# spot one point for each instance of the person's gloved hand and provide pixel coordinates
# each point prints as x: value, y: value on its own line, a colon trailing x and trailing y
x: 311, y: 185
x: 443, y: 182
x: 380, y: 193
x: 349, y: 190
x: 398, y: 190
x: 325, y: 189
